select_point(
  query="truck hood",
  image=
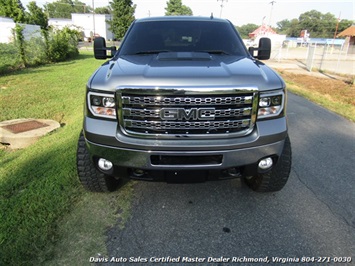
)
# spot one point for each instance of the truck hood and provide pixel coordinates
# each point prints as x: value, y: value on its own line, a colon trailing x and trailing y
x: 184, y: 70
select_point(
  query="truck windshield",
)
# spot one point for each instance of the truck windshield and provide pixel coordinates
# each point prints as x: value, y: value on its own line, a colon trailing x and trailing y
x: 182, y: 36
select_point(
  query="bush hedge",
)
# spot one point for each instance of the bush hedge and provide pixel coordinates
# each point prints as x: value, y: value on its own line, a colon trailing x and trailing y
x: 53, y: 46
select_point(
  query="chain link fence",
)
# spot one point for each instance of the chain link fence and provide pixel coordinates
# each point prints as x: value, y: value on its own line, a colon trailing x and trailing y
x: 315, y: 57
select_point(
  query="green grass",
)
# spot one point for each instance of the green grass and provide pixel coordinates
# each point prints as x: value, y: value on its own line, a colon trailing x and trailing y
x: 327, y: 101
x: 39, y: 188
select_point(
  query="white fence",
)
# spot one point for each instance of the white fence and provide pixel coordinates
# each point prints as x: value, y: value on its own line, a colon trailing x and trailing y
x: 330, y: 58
x: 7, y: 25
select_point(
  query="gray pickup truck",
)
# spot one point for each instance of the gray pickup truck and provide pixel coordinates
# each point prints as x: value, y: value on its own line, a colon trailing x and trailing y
x: 183, y: 100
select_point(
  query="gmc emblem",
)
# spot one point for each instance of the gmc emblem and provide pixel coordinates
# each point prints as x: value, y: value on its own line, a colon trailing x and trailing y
x: 187, y: 114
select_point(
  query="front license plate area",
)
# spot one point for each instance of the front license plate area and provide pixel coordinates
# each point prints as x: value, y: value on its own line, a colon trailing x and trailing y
x: 186, y: 176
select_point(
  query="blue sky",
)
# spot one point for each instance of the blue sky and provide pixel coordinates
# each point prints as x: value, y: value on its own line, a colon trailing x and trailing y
x: 241, y: 12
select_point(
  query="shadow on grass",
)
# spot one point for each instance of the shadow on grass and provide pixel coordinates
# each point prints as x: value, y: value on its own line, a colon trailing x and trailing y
x: 33, y: 196
x: 37, y: 194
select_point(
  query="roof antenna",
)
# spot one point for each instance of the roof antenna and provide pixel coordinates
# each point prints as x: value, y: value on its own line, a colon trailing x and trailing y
x: 211, y: 17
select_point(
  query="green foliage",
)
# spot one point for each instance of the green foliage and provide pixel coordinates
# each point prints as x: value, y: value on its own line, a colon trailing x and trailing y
x: 344, y: 24
x: 122, y: 17
x: 246, y: 29
x: 35, y: 52
x: 38, y: 185
x: 36, y: 16
x: 9, y: 58
x: 64, y: 8
x: 103, y: 10
x: 53, y: 46
x: 20, y: 43
x: 62, y: 45
x: 289, y: 27
x: 176, y: 8
x: 319, y: 25
x: 13, y: 9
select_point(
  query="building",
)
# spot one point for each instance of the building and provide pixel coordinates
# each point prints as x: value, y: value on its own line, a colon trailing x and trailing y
x: 349, y: 33
x: 266, y: 31
x: 89, y: 24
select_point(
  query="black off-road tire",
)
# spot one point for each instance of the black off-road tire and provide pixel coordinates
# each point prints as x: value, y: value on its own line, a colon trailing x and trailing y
x: 91, y: 178
x: 277, y: 178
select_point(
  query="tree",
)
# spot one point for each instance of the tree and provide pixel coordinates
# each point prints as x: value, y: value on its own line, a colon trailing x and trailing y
x: 315, y: 22
x: 13, y: 9
x: 176, y: 8
x: 103, y: 10
x: 122, y: 17
x: 289, y: 27
x: 318, y: 24
x: 59, y: 9
x: 283, y: 26
x: 344, y: 24
x: 81, y: 8
x: 64, y: 8
x: 244, y: 30
x: 36, y: 16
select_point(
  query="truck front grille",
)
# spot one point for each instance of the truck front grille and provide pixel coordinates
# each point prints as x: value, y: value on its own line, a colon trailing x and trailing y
x: 186, y: 115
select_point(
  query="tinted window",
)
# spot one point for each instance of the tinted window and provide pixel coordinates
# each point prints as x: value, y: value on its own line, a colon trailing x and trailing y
x: 182, y: 36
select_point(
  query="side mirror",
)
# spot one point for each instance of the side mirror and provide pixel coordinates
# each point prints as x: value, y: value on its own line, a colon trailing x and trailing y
x: 264, y: 49
x: 100, y: 49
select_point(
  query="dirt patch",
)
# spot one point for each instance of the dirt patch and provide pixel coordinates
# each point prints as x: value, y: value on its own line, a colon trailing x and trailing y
x: 339, y: 89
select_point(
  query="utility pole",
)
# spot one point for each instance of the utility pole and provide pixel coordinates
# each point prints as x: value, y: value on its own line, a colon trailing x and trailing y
x: 93, y: 18
x: 336, y: 29
x: 272, y: 7
x: 220, y: 14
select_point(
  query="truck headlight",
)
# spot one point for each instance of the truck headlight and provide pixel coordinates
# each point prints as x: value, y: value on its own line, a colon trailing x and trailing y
x: 271, y: 104
x: 102, y: 105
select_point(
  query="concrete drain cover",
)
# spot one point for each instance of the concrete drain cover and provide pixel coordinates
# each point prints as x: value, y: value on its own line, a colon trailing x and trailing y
x: 20, y: 133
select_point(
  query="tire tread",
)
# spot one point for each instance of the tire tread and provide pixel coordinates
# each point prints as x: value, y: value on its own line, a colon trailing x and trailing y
x: 92, y: 179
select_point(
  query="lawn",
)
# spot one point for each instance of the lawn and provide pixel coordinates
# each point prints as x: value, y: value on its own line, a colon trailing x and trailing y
x: 38, y: 185
x: 337, y: 95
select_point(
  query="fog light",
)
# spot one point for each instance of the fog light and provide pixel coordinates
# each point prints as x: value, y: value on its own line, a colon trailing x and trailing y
x: 104, y: 164
x: 266, y: 163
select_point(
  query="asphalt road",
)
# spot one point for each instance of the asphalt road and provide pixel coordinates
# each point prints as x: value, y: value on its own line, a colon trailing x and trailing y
x: 313, y: 216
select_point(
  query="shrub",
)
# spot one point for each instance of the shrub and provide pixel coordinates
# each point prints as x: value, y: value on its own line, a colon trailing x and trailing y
x: 53, y: 46
x: 9, y: 57
x: 62, y: 45
x: 35, y: 52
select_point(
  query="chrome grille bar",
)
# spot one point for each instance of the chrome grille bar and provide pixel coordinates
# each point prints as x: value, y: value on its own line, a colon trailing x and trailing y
x: 168, y: 101
x: 201, y: 112
x: 211, y: 126
x: 155, y: 113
